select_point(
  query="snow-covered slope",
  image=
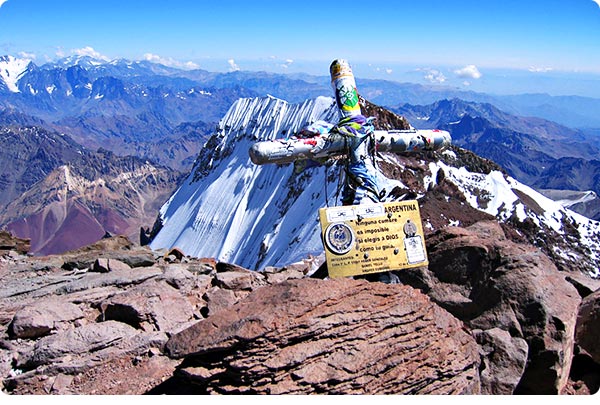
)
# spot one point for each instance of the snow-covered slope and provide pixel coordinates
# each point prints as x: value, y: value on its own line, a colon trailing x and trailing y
x: 509, y: 200
x: 257, y: 216
x: 11, y: 70
x: 250, y: 215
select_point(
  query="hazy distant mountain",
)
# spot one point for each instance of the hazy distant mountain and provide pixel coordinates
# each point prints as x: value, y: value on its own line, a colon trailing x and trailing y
x: 142, y: 76
x: 117, y: 105
x: 63, y: 196
x: 535, y: 151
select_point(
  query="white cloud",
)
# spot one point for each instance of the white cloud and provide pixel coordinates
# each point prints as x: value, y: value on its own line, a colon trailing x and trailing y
x: 597, y: 2
x: 534, y: 69
x: 2, y: 2
x: 26, y: 55
x: 190, y: 65
x: 91, y: 52
x: 380, y: 69
x: 233, y: 67
x: 469, y: 72
x: 432, y: 75
x: 287, y: 63
x: 150, y: 57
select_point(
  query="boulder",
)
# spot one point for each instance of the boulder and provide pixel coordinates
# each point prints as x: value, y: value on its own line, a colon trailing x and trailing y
x: 176, y: 254
x: 118, y: 247
x: 503, y: 360
x: 584, y: 283
x: 103, y: 265
x: 41, y: 318
x: 489, y: 282
x: 9, y: 243
x: 240, y: 279
x: 587, y: 333
x: 151, y: 306
x: 81, y: 348
x: 339, y: 336
x: 217, y: 299
x: 178, y: 275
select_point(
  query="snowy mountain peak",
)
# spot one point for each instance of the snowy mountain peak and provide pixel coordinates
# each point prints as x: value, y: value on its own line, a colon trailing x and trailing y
x: 269, y: 117
x: 83, y: 61
x: 11, y: 70
x: 251, y: 215
x: 257, y: 216
x: 511, y: 201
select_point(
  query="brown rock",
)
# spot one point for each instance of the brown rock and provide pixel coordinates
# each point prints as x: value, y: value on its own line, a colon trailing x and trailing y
x: 217, y: 299
x: 204, y: 265
x: 588, y: 330
x: 100, y: 266
x: 118, y: 247
x: 9, y: 243
x: 61, y: 383
x: 338, y: 336
x: 118, y: 265
x: 287, y: 273
x: 503, y: 361
x: 152, y: 305
x: 104, y: 265
x: 41, y: 318
x: 178, y: 276
x: 239, y: 280
x: 585, y: 285
x: 490, y: 282
x: 176, y: 253
x: 94, y: 340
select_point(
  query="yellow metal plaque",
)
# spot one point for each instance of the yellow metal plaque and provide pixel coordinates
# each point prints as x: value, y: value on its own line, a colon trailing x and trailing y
x: 364, y: 239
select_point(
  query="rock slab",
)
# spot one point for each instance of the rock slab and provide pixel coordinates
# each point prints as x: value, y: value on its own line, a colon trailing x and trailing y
x: 342, y: 336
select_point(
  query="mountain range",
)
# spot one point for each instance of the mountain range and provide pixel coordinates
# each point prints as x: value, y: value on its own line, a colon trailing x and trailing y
x: 54, y: 115
x: 257, y: 216
x: 508, y: 303
x: 23, y: 76
x: 538, y: 152
x: 121, y: 106
x: 62, y: 196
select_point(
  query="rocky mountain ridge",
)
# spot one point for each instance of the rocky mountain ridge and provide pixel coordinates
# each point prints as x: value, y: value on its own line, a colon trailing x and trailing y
x: 507, y: 305
x: 537, y: 152
x: 487, y: 316
x: 63, y: 196
x: 258, y: 216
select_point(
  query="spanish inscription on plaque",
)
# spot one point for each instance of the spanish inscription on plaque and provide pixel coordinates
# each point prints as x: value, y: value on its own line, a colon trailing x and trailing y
x: 364, y: 239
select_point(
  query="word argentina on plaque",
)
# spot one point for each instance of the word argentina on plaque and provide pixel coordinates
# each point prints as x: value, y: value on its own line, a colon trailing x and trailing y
x: 364, y: 239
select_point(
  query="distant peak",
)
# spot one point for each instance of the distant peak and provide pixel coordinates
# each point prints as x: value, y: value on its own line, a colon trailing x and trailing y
x: 11, y: 70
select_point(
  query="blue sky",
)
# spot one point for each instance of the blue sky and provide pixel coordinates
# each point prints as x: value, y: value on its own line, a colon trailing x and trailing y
x: 496, y: 46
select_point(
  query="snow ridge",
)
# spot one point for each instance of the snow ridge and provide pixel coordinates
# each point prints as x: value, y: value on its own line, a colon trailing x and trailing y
x: 504, y: 199
x: 246, y: 214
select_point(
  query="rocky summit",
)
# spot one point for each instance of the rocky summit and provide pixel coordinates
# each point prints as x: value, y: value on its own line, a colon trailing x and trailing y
x: 487, y: 316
